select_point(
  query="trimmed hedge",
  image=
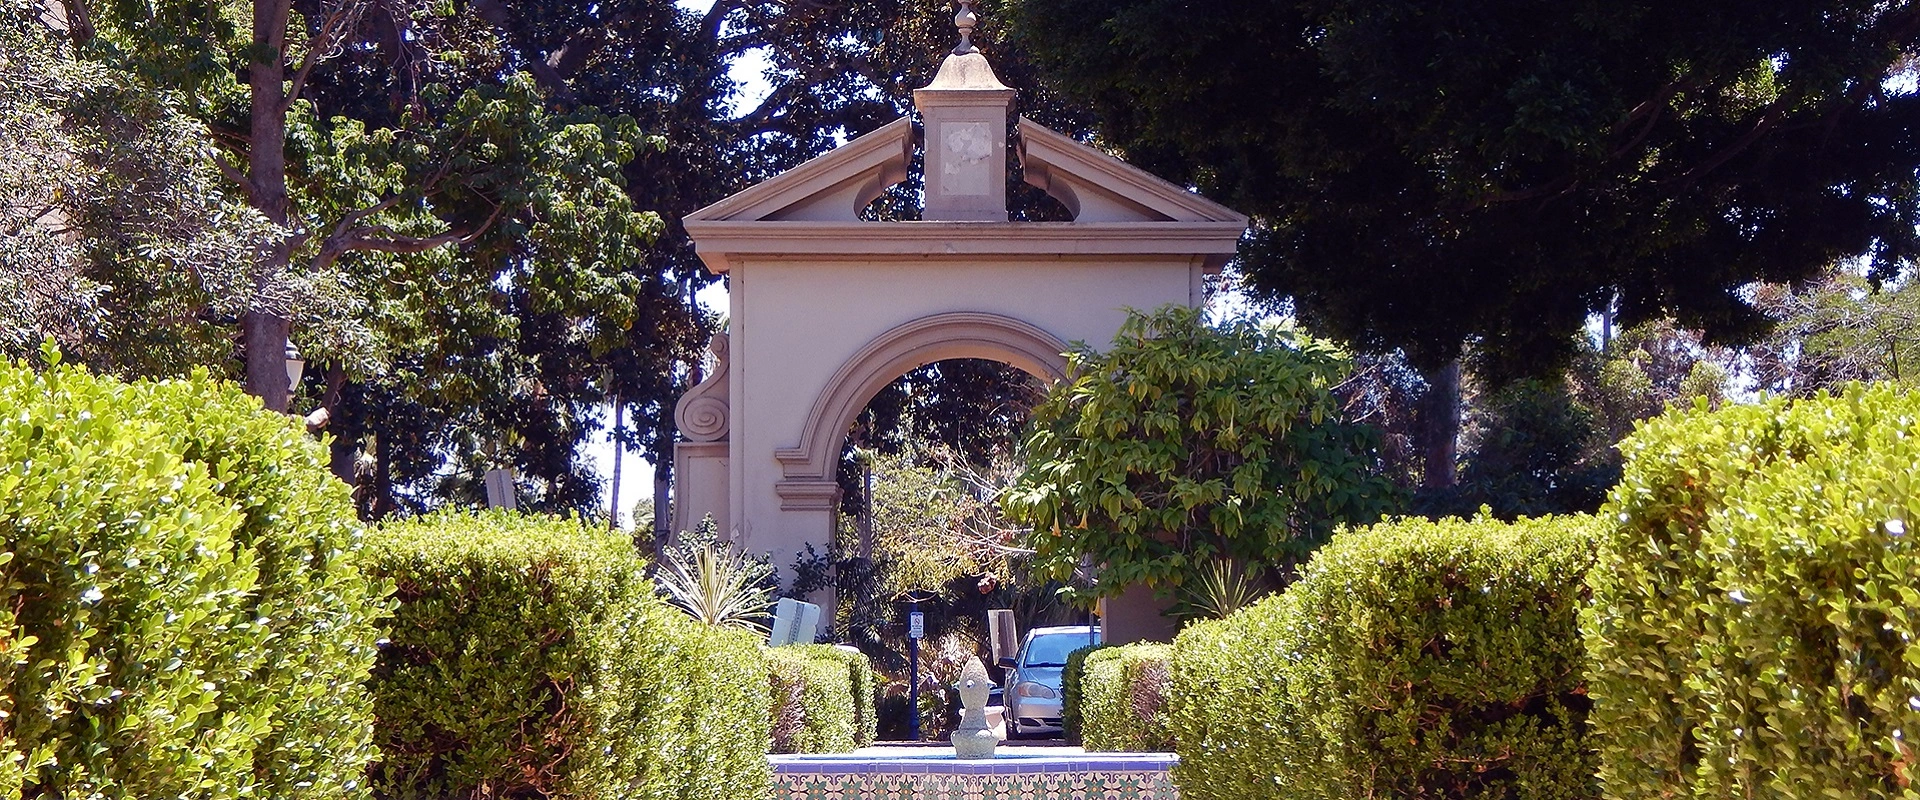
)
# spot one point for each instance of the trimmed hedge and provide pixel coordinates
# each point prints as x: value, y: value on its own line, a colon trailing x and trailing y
x: 1124, y: 699
x: 1755, y: 606
x: 865, y: 684
x: 182, y: 614
x: 822, y: 699
x: 530, y: 658
x: 1412, y: 659
x: 1072, y: 677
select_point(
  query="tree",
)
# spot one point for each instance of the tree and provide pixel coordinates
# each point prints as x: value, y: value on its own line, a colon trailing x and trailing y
x: 837, y: 70
x: 1834, y: 330
x: 450, y: 252
x: 1427, y: 174
x: 1548, y: 445
x: 1185, y: 444
x: 117, y: 239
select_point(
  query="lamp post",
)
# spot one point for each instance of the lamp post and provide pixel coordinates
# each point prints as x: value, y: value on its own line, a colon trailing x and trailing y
x: 296, y: 366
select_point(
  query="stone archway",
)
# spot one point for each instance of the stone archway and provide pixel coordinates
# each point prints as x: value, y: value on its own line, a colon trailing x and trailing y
x: 826, y: 309
x: 808, y: 470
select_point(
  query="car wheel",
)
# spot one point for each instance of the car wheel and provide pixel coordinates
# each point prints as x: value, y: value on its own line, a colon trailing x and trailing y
x: 1013, y: 729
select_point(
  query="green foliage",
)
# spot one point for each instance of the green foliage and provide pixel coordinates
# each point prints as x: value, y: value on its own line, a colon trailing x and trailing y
x: 1185, y: 443
x: 1223, y: 588
x: 184, y: 616
x: 917, y: 513
x: 1424, y: 174
x: 823, y: 699
x: 117, y: 235
x: 1840, y: 328
x: 716, y: 584
x: 1412, y: 659
x: 865, y: 685
x: 1532, y: 449
x: 1124, y: 699
x: 530, y: 658
x: 705, y: 722
x: 1752, y: 621
x: 1071, y: 682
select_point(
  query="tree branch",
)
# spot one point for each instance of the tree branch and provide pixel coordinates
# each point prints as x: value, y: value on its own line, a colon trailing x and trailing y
x: 79, y: 22
x: 380, y: 238
x: 545, y: 70
x: 231, y: 172
x: 332, y: 33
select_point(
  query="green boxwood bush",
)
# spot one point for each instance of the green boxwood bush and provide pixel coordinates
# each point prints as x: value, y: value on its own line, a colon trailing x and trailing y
x: 1072, y: 677
x: 1412, y: 659
x: 529, y: 657
x: 183, y: 617
x: 822, y: 699
x: 1124, y: 699
x: 1756, y: 603
x: 865, y: 684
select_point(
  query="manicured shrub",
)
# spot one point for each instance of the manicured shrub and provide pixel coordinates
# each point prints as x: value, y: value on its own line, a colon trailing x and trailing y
x: 1072, y: 678
x: 1184, y: 443
x: 703, y: 714
x: 1412, y: 659
x: 822, y: 699
x: 1755, y: 603
x: 529, y: 657
x: 183, y: 614
x: 865, y: 684
x: 1124, y: 699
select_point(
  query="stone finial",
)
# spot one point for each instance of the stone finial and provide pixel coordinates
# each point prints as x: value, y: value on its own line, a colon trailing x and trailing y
x: 974, y: 738
x: 964, y: 113
x: 965, y: 20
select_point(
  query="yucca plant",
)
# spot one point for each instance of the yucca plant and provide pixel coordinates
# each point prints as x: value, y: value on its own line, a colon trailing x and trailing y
x: 1223, y: 588
x: 716, y: 584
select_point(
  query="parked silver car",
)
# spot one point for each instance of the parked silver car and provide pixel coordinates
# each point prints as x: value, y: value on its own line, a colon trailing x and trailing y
x: 1033, y: 678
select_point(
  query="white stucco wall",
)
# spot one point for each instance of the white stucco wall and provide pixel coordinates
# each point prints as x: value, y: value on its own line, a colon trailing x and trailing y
x: 794, y: 322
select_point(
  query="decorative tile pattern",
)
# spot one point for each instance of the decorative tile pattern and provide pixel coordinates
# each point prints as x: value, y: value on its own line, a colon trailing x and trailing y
x: 1078, y: 776
x: 930, y: 786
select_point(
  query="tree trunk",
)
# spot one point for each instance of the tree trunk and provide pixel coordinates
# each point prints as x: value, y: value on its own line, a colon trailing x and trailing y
x: 266, y: 346
x: 344, y: 451
x: 662, y: 492
x: 1440, y: 428
x: 265, y: 330
x: 619, y: 450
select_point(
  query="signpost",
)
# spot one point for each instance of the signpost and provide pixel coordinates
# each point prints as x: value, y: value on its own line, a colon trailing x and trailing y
x: 916, y: 630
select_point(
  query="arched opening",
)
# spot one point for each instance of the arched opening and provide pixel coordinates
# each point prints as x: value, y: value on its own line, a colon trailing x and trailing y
x: 920, y: 431
x: 809, y: 470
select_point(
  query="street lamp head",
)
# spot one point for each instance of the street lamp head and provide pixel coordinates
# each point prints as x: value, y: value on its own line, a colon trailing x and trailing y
x: 295, y: 367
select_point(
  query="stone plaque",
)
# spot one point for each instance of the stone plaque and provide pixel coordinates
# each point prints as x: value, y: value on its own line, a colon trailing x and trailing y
x: 967, y: 148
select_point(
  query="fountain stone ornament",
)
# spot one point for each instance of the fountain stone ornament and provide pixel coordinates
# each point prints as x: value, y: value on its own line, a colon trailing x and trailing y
x: 974, y: 739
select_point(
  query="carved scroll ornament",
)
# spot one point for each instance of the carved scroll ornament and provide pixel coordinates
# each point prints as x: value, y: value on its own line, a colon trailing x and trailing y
x: 702, y: 414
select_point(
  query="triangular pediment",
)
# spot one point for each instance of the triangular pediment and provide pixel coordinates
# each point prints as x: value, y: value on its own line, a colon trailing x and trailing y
x: 1096, y: 187
x: 833, y: 187
x: 813, y: 211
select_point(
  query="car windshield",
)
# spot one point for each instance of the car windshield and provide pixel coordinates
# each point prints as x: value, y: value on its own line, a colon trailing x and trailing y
x: 1051, y: 650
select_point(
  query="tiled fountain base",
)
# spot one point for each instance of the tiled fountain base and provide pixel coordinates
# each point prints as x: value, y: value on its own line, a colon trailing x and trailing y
x: 1018, y: 773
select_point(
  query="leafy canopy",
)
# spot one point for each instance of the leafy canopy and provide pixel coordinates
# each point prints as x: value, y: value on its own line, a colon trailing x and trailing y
x: 1186, y: 443
x: 1423, y: 174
